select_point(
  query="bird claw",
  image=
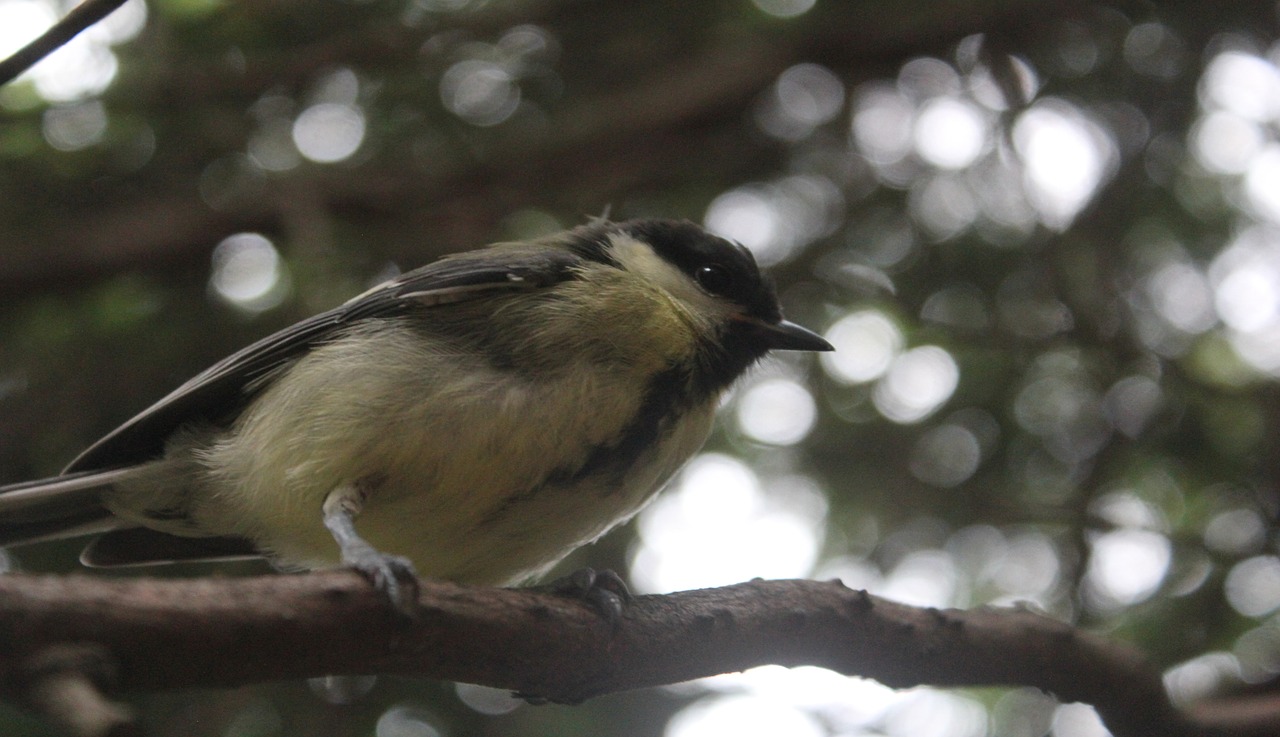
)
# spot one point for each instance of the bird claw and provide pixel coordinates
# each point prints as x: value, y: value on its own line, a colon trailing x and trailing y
x: 604, y: 590
x: 391, y: 575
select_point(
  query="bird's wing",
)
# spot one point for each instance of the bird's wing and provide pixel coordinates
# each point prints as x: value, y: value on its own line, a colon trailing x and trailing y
x: 222, y: 391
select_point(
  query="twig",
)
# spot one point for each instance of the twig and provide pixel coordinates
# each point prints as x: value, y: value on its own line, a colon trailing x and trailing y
x: 81, y: 17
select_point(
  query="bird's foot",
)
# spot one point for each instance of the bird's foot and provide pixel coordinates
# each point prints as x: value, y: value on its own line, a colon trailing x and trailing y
x: 391, y: 575
x: 604, y: 590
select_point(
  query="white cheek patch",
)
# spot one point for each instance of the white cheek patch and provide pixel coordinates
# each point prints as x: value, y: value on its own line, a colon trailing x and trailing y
x: 640, y: 259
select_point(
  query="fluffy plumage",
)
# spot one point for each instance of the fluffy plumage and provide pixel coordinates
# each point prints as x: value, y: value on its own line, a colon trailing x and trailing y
x: 490, y: 412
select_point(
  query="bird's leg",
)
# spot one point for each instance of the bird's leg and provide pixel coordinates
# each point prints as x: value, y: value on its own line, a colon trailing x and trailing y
x: 390, y: 574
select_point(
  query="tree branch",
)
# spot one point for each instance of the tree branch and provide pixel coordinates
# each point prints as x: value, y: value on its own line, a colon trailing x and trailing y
x: 217, y: 632
x: 81, y: 17
x: 62, y: 683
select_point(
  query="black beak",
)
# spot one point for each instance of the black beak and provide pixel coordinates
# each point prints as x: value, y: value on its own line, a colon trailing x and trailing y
x: 788, y: 336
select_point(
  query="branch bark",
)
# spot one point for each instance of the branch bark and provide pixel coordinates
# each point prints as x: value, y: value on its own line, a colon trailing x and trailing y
x: 217, y: 632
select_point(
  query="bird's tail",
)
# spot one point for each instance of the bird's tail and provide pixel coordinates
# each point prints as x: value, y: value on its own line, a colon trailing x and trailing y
x: 58, y: 507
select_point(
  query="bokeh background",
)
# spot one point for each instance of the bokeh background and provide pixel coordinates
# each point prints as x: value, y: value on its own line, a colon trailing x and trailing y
x: 1044, y: 237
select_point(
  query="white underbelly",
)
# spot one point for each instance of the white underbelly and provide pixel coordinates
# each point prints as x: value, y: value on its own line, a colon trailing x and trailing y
x: 454, y: 476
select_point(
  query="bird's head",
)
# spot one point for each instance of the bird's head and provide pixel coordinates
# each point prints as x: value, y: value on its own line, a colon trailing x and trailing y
x: 714, y: 281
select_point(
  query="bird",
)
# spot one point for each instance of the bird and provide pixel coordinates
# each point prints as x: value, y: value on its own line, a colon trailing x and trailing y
x: 474, y: 420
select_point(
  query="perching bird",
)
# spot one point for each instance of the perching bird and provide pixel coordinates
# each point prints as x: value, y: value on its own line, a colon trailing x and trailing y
x: 476, y: 419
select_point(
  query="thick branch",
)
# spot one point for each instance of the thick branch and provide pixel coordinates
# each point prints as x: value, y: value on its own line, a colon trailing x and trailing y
x: 174, y: 634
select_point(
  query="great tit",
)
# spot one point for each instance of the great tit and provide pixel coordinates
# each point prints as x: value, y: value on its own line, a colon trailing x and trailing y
x: 475, y: 420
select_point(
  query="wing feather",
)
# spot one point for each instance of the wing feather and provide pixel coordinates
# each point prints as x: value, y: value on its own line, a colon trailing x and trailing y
x: 221, y: 391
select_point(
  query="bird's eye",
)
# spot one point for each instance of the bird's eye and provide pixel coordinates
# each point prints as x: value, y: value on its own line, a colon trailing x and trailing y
x: 713, y: 278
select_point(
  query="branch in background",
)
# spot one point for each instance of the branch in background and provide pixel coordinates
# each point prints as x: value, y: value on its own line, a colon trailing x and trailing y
x: 80, y: 18
x: 63, y: 683
x: 154, y: 634
x: 678, y: 122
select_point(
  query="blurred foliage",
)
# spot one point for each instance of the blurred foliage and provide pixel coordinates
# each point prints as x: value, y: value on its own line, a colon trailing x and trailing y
x: 1068, y: 397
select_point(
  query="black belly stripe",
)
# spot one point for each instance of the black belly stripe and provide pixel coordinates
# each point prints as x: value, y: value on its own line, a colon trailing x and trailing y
x: 666, y: 399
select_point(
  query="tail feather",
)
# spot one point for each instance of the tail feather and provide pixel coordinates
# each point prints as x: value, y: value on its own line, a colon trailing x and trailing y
x: 59, y: 507
x: 71, y: 506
